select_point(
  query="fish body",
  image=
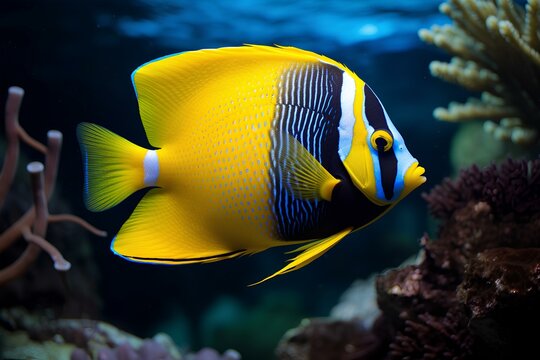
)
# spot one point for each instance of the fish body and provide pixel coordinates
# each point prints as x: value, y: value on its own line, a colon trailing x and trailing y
x: 254, y: 147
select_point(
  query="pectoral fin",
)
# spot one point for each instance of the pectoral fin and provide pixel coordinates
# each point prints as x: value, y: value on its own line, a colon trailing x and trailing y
x: 303, y: 174
x: 309, y: 253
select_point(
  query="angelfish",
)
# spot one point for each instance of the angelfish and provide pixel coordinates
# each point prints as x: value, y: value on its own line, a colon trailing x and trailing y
x: 253, y: 147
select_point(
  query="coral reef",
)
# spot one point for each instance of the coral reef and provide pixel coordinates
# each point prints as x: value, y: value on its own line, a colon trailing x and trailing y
x: 27, y: 336
x: 423, y: 311
x: 32, y: 226
x: 496, y: 50
x: 323, y: 339
x: 475, y: 291
x: 510, y: 191
x: 211, y: 354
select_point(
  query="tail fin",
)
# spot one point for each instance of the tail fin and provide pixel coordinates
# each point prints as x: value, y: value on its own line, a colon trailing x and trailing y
x: 113, y: 166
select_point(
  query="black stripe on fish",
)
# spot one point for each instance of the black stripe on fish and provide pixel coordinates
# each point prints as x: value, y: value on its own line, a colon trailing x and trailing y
x: 388, y: 165
x: 349, y: 208
x: 179, y: 260
x: 374, y: 110
x: 375, y: 116
x: 309, y: 109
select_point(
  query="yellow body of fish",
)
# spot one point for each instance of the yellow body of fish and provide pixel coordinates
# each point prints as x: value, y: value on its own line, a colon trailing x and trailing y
x: 255, y: 147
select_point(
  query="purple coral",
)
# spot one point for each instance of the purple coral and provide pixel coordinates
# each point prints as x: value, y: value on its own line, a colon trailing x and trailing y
x: 149, y: 350
x: 211, y: 354
x: 513, y: 188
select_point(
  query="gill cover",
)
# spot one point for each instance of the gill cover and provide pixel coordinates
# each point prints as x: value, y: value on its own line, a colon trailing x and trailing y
x: 358, y: 159
x: 378, y: 161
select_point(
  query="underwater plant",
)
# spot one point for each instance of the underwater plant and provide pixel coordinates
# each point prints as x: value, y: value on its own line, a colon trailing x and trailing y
x: 495, y: 46
x: 32, y: 226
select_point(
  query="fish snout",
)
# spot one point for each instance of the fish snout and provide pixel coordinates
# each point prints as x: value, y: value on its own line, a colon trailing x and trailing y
x: 414, y: 177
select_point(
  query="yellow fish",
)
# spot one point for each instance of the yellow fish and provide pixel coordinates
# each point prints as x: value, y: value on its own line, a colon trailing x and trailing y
x: 254, y: 147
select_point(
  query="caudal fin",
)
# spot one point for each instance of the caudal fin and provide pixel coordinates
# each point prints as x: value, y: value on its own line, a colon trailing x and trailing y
x: 113, y: 166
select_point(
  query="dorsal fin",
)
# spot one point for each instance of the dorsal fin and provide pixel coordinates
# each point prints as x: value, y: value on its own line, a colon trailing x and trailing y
x: 167, y: 88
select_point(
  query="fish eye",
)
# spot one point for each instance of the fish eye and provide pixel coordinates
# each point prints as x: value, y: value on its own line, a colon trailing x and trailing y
x: 382, y: 140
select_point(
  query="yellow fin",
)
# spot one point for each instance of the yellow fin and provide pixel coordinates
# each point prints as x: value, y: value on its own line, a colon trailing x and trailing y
x: 169, y: 88
x: 309, y: 253
x: 113, y: 166
x: 162, y: 229
x: 304, y: 175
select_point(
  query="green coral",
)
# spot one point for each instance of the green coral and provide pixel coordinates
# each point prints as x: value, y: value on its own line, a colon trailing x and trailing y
x: 18, y: 345
x: 25, y: 335
x: 465, y: 152
x: 496, y: 50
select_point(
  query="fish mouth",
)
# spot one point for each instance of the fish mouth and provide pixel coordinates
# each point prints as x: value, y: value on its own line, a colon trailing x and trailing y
x: 418, y: 171
x: 414, y: 177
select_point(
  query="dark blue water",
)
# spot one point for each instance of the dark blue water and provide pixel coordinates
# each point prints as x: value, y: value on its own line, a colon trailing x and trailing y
x: 316, y: 25
x: 74, y: 58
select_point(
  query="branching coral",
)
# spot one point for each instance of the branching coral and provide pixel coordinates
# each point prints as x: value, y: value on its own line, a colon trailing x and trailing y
x: 32, y: 226
x: 496, y: 49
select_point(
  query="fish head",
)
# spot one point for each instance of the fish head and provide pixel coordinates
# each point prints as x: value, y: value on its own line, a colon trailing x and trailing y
x: 376, y: 158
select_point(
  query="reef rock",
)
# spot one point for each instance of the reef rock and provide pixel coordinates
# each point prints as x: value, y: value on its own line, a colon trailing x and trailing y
x: 501, y: 290
x: 323, y: 339
x: 475, y: 292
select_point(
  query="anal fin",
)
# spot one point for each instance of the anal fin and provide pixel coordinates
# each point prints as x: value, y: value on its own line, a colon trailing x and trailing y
x: 309, y: 252
x: 165, y: 230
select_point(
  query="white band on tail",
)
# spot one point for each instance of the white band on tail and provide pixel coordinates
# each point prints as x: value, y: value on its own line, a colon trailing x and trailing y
x: 151, y: 168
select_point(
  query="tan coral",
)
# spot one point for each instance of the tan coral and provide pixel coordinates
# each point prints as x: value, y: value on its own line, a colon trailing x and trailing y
x: 496, y: 49
x: 32, y: 226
